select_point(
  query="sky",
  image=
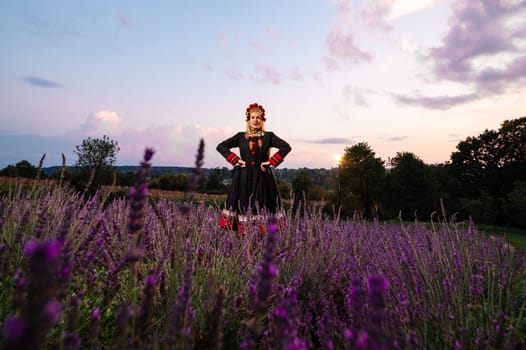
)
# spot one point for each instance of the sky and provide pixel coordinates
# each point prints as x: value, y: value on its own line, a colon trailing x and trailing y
x: 402, y: 75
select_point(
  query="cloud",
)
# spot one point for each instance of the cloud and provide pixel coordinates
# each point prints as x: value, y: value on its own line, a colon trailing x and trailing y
x: 258, y: 47
x: 342, y: 48
x: 125, y: 21
x: 295, y: 74
x: 331, y: 141
x: 269, y: 73
x: 435, y: 102
x: 374, y: 15
x: 330, y: 63
x: 41, y: 82
x: 357, y: 95
x: 482, y: 49
x: 397, y: 138
x: 270, y: 32
x: 344, y: 115
x: 234, y: 74
x: 456, y: 138
x: 103, y: 121
x: 174, y: 145
x: 317, y: 77
x: 401, y: 8
x: 223, y: 39
x: 343, y: 52
x: 476, y: 29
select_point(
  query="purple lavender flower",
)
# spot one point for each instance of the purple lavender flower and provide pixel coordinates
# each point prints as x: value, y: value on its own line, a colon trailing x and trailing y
x: 378, y: 285
x: 266, y: 276
x: 362, y: 340
x: 14, y: 329
x: 148, y: 154
x: 47, y: 252
x: 93, y: 340
x: 71, y: 335
x: 195, y: 178
x: 214, y: 321
x: 285, y: 322
x: 40, y: 310
x: 144, y: 321
x: 355, y: 301
x: 95, y: 314
x: 2, y: 209
x: 40, y: 165
x: 138, y: 194
x: 180, y: 328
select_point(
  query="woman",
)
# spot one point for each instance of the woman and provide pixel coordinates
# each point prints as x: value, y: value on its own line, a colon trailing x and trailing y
x: 253, y: 187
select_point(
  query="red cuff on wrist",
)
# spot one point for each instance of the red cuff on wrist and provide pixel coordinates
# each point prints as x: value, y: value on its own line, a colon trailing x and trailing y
x: 232, y: 158
x: 276, y: 159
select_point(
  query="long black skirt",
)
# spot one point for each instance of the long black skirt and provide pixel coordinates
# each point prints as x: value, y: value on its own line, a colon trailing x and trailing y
x: 253, y: 191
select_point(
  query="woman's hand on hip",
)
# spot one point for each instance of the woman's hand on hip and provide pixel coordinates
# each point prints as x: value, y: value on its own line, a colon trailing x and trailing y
x: 241, y: 163
x: 264, y: 166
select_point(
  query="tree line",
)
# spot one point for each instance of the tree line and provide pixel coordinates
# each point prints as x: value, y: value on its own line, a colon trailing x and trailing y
x: 485, y: 179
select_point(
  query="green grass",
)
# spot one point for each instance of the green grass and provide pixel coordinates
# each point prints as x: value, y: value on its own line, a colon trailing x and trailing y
x: 516, y: 236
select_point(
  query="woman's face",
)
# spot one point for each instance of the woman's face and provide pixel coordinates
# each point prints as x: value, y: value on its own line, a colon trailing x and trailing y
x: 255, y: 120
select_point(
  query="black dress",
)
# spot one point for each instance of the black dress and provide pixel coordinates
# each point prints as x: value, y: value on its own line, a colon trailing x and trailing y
x: 252, y: 189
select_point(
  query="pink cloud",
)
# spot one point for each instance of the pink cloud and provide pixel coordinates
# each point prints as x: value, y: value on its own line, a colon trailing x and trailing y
x: 125, y: 21
x: 344, y: 7
x: 268, y: 73
x: 374, y: 15
x: 271, y: 32
x: 259, y: 48
x: 358, y: 96
x: 223, y: 39
x: 317, y: 77
x: 477, y: 30
x: 295, y: 74
x: 435, y: 102
x: 330, y: 63
x: 341, y: 46
x: 234, y: 74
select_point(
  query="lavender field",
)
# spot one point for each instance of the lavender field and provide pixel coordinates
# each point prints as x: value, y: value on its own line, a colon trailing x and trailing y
x: 139, y: 273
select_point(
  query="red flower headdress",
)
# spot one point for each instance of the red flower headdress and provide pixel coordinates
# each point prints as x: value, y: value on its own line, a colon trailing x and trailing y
x: 255, y: 106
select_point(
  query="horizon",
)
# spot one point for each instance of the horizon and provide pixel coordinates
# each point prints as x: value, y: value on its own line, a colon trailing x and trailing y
x: 401, y: 75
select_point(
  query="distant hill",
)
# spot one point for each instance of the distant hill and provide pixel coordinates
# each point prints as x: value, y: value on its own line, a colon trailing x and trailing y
x: 156, y: 170
x: 316, y: 176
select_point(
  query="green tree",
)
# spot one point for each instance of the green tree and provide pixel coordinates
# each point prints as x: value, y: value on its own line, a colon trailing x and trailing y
x: 300, y: 187
x: 516, y: 203
x: 26, y: 169
x: 488, y: 165
x: 361, y: 179
x: 411, y: 186
x: 284, y: 189
x: 95, y: 153
x: 94, y: 166
x: 316, y: 193
x: 10, y: 171
x: 214, y: 181
x: 174, y: 182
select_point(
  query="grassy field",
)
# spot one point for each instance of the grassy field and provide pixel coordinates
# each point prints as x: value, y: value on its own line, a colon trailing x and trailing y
x: 122, y: 271
x: 516, y: 236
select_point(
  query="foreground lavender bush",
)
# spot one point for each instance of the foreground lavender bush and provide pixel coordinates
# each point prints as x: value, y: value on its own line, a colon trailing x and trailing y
x: 139, y: 274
